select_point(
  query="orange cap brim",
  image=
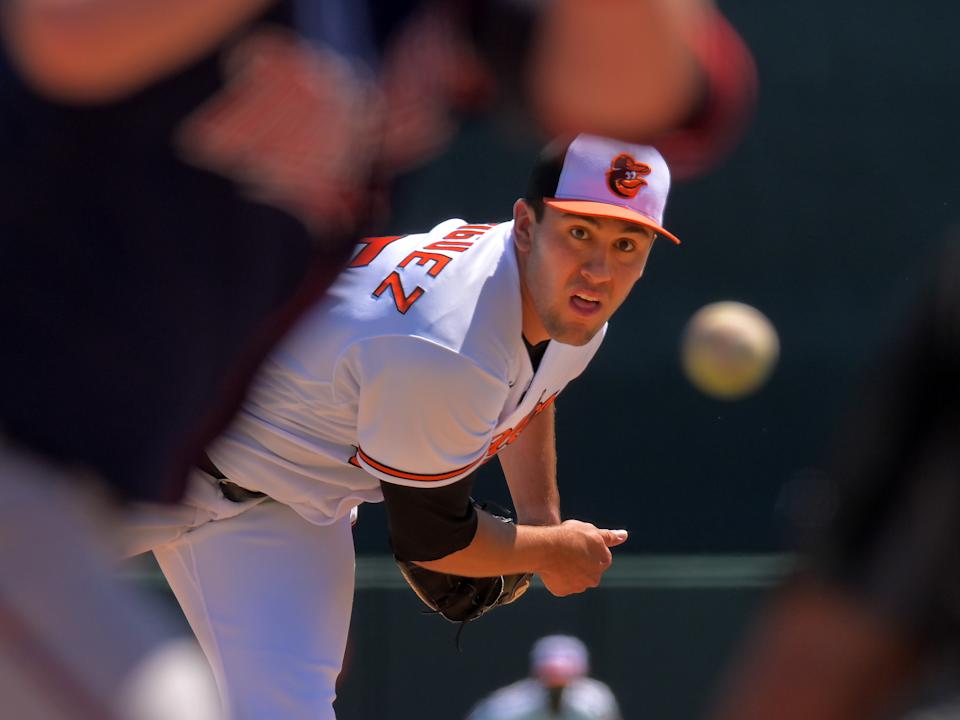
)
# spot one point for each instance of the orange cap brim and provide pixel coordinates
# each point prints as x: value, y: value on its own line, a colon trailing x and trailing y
x: 599, y: 209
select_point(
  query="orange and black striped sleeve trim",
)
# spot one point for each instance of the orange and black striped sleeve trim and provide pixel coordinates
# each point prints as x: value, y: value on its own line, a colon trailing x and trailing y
x: 402, y: 475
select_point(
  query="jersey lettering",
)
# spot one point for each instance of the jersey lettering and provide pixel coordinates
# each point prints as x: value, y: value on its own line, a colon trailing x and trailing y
x: 402, y: 301
x: 465, y: 232
x: 372, y: 247
x: 449, y: 246
x: 509, y: 436
x: 439, y: 261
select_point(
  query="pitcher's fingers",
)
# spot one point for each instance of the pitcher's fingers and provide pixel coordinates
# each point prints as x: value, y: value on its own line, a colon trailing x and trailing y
x: 612, y: 538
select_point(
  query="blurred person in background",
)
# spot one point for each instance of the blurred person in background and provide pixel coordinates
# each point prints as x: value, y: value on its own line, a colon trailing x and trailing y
x: 875, y: 603
x: 179, y: 180
x: 559, y: 687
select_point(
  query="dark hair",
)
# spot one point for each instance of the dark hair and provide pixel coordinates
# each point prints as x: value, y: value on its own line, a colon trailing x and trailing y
x: 545, y: 176
x: 537, y: 205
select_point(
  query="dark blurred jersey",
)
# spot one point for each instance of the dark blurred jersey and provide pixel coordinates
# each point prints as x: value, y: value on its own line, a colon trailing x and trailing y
x: 139, y: 290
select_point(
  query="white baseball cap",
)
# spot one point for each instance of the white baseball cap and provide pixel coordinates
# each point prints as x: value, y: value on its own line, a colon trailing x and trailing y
x: 601, y: 177
x: 557, y: 659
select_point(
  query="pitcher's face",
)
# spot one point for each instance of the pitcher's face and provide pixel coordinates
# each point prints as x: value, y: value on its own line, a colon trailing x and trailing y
x: 575, y: 271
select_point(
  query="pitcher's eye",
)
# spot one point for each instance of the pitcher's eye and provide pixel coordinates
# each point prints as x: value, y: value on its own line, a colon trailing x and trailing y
x: 579, y: 233
x: 626, y: 245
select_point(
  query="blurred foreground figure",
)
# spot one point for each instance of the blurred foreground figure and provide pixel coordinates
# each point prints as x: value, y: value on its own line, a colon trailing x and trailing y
x: 179, y: 179
x: 670, y: 73
x: 878, y: 601
x: 558, y: 687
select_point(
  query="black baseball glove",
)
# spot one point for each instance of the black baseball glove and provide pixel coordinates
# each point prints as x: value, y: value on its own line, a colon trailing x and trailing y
x: 462, y: 599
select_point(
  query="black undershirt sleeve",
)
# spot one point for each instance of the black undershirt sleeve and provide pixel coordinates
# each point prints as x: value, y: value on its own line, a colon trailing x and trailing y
x: 429, y: 523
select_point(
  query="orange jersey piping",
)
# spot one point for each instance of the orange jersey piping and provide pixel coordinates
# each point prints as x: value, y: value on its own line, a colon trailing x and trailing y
x: 393, y: 472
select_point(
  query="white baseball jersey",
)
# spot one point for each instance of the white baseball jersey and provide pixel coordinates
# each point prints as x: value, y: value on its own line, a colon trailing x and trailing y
x: 413, y: 371
x: 583, y: 699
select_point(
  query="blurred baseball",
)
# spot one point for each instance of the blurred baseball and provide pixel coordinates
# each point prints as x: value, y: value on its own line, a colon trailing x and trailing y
x: 729, y: 350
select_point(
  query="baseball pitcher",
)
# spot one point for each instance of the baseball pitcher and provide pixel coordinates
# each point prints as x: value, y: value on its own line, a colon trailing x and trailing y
x: 431, y: 354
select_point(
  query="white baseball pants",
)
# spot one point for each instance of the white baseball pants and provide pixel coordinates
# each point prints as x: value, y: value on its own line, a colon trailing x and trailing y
x: 269, y: 596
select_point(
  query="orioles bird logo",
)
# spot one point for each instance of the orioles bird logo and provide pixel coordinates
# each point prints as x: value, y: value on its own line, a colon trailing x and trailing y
x: 625, y: 176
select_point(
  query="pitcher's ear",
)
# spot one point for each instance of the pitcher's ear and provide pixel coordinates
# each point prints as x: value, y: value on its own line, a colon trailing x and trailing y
x: 523, y: 220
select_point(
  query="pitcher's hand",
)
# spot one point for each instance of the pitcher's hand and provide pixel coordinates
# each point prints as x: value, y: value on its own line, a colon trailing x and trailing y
x: 578, y: 557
